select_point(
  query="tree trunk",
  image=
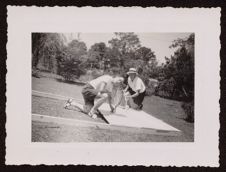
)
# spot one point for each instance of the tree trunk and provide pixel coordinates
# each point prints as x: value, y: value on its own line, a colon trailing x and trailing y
x: 184, y: 91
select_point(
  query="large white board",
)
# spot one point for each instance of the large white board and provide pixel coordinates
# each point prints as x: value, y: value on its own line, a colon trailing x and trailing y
x: 134, y: 118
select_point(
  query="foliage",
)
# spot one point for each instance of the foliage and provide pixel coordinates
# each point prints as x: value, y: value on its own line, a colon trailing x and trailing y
x: 168, y: 89
x: 49, y: 53
x: 96, y: 73
x: 189, y: 110
x: 178, y: 75
x: 71, y: 60
x: 125, y: 42
x: 146, y: 54
x: 114, y: 56
x: 181, y: 67
x: 97, y: 56
x: 70, y: 68
x: 134, y: 63
x: 183, y: 64
x: 123, y: 46
x: 77, y: 48
x: 45, y: 48
x: 91, y: 74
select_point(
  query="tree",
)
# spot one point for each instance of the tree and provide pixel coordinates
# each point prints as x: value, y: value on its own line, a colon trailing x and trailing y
x: 180, y: 67
x: 113, y: 57
x: 188, y: 43
x: 45, y: 48
x: 72, y: 59
x: 145, y: 54
x: 184, y: 72
x: 97, y: 55
x: 77, y: 48
x: 125, y: 42
x: 70, y: 66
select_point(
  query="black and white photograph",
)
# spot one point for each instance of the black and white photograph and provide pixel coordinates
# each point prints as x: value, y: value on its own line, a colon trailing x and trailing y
x: 113, y: 87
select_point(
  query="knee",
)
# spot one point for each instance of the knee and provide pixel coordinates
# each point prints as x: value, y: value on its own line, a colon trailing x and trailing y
x: 87, y: 108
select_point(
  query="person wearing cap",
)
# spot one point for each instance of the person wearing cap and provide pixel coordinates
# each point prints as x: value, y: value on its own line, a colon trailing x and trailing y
x: 135, y: 88
x: 99, y: 89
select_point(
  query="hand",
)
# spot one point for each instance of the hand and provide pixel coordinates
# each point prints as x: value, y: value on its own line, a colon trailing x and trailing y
x: 112, y: 109
x: 128, y: 96
x: 124, y: 91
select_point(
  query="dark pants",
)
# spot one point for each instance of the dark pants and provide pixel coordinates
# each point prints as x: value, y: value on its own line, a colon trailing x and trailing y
x: 138, y: 100
x: 89, y: 94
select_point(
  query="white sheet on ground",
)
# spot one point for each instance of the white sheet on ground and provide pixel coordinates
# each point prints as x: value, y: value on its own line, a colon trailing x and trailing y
x: 132, y: 118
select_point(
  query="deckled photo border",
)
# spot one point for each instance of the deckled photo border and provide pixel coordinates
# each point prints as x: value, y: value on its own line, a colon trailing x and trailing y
x: 18, y: 45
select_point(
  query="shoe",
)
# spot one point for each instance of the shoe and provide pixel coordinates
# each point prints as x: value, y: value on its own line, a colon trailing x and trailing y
x: 126, y: 107
x: 139, y: 107
x: 92, y: 115
x: 68, y: 103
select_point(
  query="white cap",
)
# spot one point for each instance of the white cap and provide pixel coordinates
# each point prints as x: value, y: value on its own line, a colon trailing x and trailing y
x: 132, y: 70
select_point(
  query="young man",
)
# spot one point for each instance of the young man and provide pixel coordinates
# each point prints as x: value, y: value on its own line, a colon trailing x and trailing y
x: 99, y: 89
x: 135, y: 88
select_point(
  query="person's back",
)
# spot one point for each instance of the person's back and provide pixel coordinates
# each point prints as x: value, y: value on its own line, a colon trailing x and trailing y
x: 96, y: 83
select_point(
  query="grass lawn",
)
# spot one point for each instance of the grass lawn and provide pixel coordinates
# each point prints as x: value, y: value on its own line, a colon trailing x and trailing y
x: 167, y: 110
x: 50, y: 132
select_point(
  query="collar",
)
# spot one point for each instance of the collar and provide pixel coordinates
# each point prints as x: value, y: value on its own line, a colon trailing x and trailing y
x: 133, y: 79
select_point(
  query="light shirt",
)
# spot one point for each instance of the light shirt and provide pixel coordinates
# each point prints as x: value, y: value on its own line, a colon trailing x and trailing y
x: 136, y: 84
x: 96, y: 83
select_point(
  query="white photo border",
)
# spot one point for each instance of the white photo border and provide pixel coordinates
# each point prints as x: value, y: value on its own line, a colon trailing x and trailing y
x: 204, y: 22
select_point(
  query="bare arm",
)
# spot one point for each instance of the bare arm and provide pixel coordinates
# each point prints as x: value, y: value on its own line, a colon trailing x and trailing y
x: 121, y: 98
x: 103, y: 90
x: 110, y: 103
x: 127, y: 87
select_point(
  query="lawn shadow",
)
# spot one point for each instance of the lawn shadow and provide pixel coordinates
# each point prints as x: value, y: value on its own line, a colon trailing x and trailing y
x: 79, y: 83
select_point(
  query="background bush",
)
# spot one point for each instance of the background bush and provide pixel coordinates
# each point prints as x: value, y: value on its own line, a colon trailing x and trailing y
x: 189, y: 110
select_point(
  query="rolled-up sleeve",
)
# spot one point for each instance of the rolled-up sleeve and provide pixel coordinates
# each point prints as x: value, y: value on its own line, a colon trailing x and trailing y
x: 139, y: 86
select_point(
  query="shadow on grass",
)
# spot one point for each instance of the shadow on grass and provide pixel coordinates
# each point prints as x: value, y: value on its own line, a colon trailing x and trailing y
x: 35, y: 75
x: 71, y: 82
